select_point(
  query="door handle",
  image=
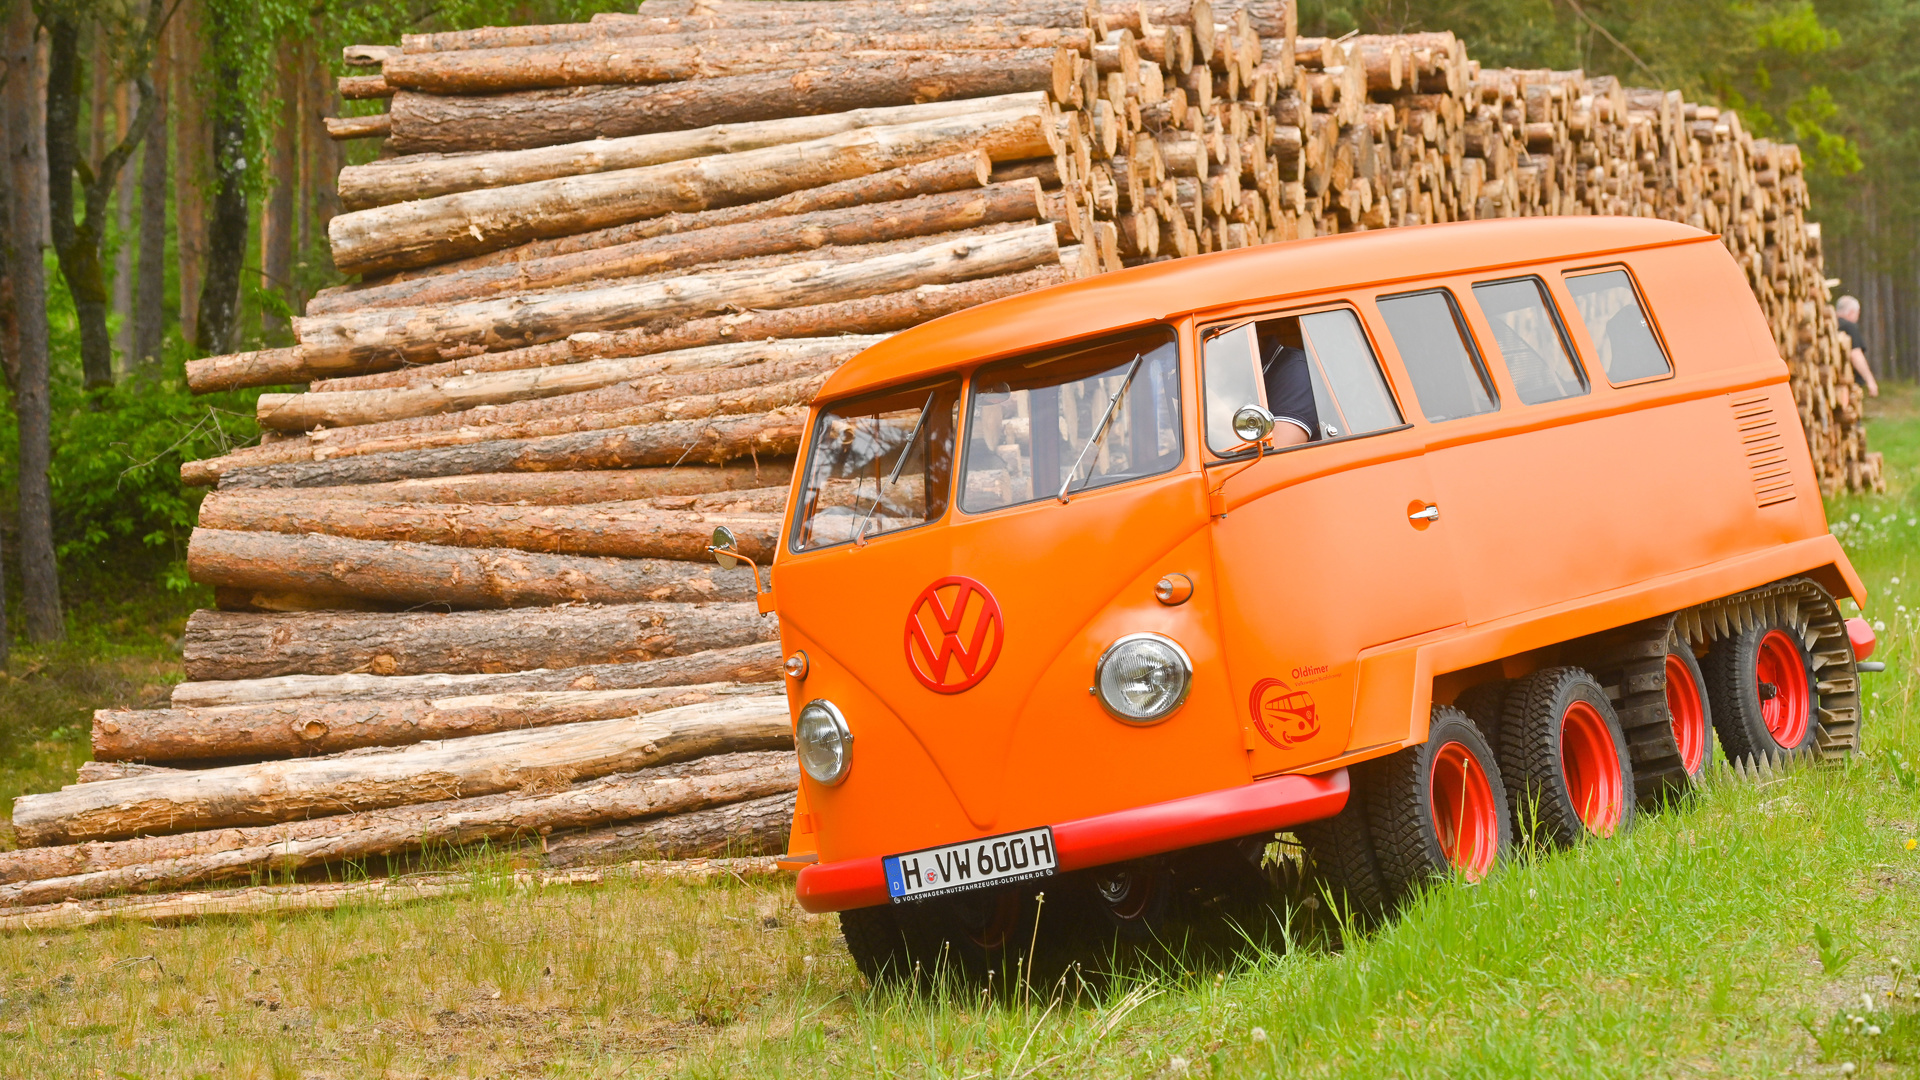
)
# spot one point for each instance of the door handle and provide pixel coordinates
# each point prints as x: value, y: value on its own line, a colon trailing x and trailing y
x: 1431, y: 513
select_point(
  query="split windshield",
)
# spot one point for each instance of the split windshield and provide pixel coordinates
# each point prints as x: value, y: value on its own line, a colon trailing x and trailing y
x: 879, y: 465
x: 1052, y: 425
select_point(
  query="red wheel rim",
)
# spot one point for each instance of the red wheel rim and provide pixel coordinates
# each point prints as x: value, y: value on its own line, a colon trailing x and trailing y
x: 1789, y: 710
x: 1685, y: 705
x: 1591, y: 763
x: 1461, y: 801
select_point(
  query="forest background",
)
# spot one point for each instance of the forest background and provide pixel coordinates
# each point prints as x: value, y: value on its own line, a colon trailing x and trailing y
x: 166, y: 182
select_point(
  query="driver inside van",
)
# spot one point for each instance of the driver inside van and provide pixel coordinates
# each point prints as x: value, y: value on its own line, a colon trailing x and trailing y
x: 1289, y: 383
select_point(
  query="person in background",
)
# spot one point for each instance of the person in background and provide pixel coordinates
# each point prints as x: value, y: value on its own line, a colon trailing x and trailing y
x: 1848, y: 309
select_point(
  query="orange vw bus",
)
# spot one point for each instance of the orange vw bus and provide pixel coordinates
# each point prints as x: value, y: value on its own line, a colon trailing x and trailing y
x: 1373, y: 539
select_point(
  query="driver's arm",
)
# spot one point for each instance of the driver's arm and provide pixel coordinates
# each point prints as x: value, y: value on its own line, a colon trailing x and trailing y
x: 1290, y: 397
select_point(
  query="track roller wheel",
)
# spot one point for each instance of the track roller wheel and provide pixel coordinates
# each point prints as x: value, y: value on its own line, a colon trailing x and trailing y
x: 1438, y: 808
x: 1565, y: 758
x: 1764, y: 696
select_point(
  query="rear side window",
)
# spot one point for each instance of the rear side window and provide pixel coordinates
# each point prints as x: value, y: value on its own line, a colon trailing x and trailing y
x: 1530, y: 340
x: 1315, y: 372
x: 1448, y: 379
x: 1607, y: 304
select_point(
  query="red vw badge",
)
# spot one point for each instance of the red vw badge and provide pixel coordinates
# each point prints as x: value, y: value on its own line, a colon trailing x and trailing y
x: 953, y: 635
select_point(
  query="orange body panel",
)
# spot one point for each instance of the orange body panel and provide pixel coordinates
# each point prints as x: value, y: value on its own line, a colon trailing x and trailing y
x: 1321, y: 615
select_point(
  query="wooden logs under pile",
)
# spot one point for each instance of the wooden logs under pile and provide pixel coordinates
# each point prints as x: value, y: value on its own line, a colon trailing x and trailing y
x: 603, y: 267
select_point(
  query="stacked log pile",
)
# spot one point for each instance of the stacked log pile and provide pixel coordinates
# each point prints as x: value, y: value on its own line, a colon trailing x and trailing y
x: 602, y: 269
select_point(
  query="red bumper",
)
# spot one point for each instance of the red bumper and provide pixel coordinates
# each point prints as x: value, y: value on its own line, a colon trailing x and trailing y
x: 1272, y: 804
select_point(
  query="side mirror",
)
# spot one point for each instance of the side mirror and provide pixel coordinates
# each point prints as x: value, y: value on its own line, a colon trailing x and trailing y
x: 1251, y: 424
x: 725, y: 548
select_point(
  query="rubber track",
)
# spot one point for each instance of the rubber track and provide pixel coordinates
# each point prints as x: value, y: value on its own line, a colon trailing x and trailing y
x: 1803, y: 603
x: 1631, y: 663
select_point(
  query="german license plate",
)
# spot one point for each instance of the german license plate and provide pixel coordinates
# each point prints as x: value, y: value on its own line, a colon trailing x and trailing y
x: 976, y: 864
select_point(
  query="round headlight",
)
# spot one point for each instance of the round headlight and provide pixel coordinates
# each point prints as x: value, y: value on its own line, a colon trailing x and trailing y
x: 1143, y: 677
x: 824, y: 741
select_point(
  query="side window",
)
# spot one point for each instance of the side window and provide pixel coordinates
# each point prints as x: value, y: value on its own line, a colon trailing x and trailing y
x: 1448, y: 379
x: 1606, y: 303
x: 1315, y: 372
x: 1530, y: 340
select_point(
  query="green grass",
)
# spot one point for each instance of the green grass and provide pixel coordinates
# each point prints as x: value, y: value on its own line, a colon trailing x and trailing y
x: 1751, y: 933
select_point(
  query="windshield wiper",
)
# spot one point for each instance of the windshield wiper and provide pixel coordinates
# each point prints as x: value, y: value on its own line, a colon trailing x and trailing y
x: 1100, y: 429
x: 860, y: 532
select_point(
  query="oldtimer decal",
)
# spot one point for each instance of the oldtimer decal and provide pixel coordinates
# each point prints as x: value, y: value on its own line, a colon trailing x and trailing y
x: 1284, y: 717
x: 954, y: 634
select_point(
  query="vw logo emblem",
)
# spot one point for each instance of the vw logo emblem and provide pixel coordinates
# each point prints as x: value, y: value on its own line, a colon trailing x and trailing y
x: 954, y: 635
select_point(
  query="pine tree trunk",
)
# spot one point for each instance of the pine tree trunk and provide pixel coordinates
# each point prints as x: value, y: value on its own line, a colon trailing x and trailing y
x: 150, y: 295
x: 276, y: 220
x: 218, y: 321
x: 123, y: 208
x: 191, y: 159
x: 27, y: 173
x: 76, y: 243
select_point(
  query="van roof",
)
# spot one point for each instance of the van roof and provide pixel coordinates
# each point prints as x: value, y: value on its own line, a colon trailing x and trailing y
x: 1165, y: 290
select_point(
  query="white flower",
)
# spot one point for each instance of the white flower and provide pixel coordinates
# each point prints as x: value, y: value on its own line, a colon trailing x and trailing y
x: 1896, y: 581
x: 1853, y: 517
x: 1846, y: 1068
x: 1177, y: 1065
x: 1873, y: 1029
x: 1911, y: 522
x: 1866, y: 1002
x: 1531, y: 894
x: 1879, y: 624
x: 1259, y: 1035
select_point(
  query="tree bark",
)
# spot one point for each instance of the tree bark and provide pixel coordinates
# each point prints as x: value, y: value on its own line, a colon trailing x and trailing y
x: 304, y: 729
x: 276, y: 216
x: 544, y: 67
x: 722, y: 439
x: 232, y: 645
x: 436, y: 574
x: 684, y: 482
x: 620, y: 529
x: 351, y: 342
x: 261, y: 900
x: 76, y: 243
x: 624, y: 405
x: 756, y: 663
x: 218, y: 321
x: 150, y: 292
x: 426, y: 176
x: 191, y: 161
x: 450, y: 226
x: 867, y: 315
x: 301, y: 412
x: 750, y: 827
x: 27, y: 174
x: 181, y: 860
x: 923, y: 215
x: 519, y: 121
x: 476, y: 765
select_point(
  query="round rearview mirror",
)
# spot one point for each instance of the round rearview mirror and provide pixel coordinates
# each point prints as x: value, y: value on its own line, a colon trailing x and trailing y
x: 1252, y: 424
x: 725, y: 548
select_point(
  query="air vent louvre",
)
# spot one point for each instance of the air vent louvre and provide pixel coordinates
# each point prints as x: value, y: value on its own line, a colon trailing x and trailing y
x: 1763, y: 444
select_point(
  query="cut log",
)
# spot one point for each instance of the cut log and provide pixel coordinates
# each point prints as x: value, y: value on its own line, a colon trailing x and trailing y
x: 545, y: 67
x: 92, y: 772
x: 712, y: 441
x: 531, y: 419
x: 69, y: 860
x: 742, y: 663
x: 925, y: 215
x: 230, y: 645
x: 277, y: 791
x: 752, y: 827
x: 300, y: 412
x: 867, y: 315
x: 344, y: 128
x: 394, y: 336
x: 458, y: 577
x: 405, y: 829
x: 425, y: 176
x: 267, y: 367
x: 364, y: 87
x: 449, y: 226
x: 308, y: 728
x: 622, y: 529
x: 565, y: 488
x: 532, y: 118
x: 258, y: 900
